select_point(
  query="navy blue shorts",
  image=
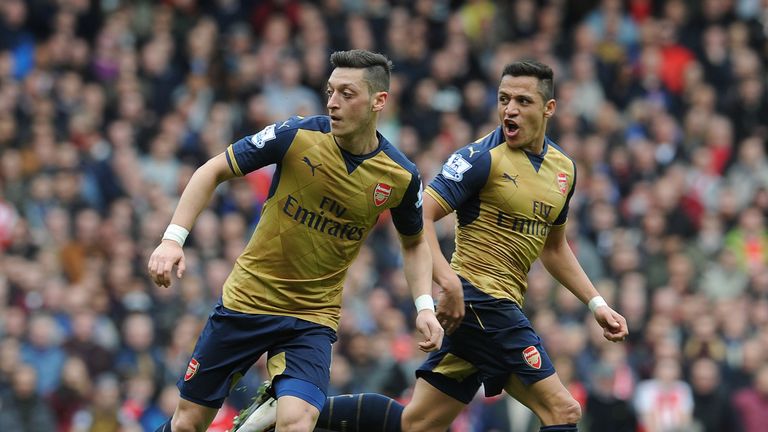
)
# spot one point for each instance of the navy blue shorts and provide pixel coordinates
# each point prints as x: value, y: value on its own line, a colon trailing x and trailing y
x: 494, y: 340
x: 232, y: 341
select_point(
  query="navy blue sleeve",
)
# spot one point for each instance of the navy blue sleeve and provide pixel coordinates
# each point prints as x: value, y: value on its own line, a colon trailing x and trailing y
x: 563, y: 216
x: 407, y: 216
x: 261, y: 149
x: 460, y: 181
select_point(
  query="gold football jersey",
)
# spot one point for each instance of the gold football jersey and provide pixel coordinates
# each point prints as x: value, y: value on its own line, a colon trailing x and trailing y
x: 506, y: 201
x: 323, y: 202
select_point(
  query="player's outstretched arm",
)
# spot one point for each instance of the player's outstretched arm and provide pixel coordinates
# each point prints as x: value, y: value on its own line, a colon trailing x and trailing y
x: 561, y: 263
x: 417, y: 266
x: 450, y: 305
x: 193, y: 200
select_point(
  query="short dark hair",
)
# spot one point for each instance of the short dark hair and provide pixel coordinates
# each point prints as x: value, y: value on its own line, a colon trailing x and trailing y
x: 377, y: 66
x: 535, y: 69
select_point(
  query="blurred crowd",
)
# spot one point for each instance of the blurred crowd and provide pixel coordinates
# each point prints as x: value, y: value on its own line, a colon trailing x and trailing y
x: 108, y: 106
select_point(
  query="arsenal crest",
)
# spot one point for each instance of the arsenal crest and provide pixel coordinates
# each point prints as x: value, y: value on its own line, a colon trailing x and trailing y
x: 562, y: 182
x: 192, y: 368
x: 381, y: 194
x: 532, y: 357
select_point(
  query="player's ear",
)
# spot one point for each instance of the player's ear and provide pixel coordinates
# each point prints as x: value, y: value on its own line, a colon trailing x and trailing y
x: 379, y: 100
x: 549, y: 108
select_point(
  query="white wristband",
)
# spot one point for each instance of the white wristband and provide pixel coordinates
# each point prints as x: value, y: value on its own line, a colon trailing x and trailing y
x: 424, y: 301
x: 176, y: 233
x: 596, y: 302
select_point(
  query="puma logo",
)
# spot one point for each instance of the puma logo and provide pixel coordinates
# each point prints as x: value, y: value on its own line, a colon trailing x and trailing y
x: 472, y: 151
x: 313, y: 167
x: 508, y: 177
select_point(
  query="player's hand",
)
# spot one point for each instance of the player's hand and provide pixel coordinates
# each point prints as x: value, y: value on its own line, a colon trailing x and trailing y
x: 450, y: 304
x: 426, y: 323
x: 162, y: 260
x: 614, y: 325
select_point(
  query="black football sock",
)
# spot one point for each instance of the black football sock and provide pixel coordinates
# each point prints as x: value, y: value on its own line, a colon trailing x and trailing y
x: 570, y: 427
x: 363, y: 412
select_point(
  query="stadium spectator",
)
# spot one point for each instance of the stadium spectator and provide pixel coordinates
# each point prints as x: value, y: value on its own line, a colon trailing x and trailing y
x: 712, y: 408
x: 664, y: 402
x: 23, y: 408
x: 750, y: 403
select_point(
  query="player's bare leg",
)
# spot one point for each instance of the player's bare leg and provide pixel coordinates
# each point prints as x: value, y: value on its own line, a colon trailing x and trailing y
x: 190, y: 417
x: 548, y: 399
x: 295, y: 415
x: 430, y: 409
x: 286, y: 414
